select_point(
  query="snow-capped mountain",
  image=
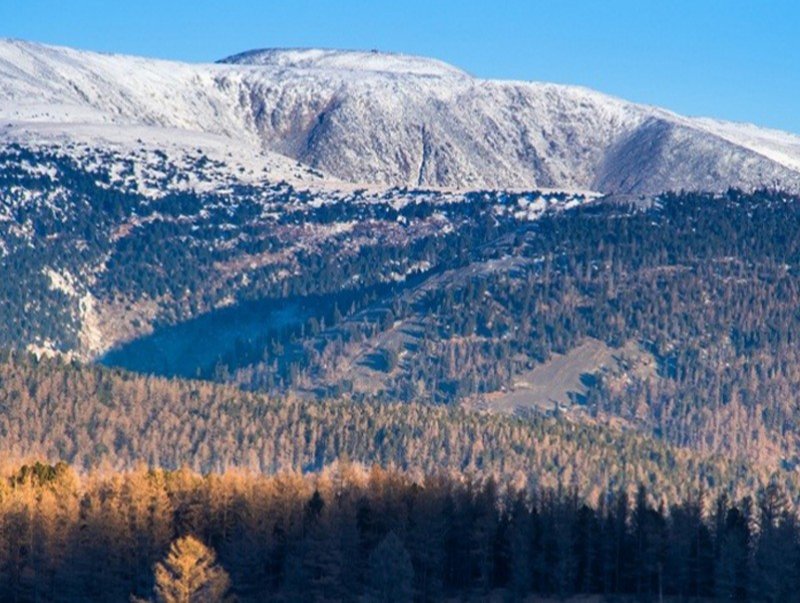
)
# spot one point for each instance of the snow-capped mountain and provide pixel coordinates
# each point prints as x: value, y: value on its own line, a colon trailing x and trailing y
x: 375, y: 118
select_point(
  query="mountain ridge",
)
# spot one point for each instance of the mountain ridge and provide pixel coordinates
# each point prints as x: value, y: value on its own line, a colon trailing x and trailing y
x: 398, y: 120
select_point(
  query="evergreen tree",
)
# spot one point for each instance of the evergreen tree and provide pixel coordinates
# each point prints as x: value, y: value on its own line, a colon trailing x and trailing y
x: 391, y: 575
x: 190, y: 574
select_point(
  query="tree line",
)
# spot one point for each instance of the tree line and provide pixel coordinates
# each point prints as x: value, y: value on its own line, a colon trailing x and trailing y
x: 92, y: 417
x: 352, y: 533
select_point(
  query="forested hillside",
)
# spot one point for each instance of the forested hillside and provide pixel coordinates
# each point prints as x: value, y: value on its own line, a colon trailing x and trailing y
x: 354, y: 534
x: 419, y: 296
x: 94, y: 417
x: 703, y: 288
x: 94, y: 255
x: 411, y: 297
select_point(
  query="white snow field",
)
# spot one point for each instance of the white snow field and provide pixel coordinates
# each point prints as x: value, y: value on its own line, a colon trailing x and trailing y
x: 327, y: 117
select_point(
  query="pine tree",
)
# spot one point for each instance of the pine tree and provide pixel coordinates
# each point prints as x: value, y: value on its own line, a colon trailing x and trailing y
x: 391, y: 575
x: 190, y: 574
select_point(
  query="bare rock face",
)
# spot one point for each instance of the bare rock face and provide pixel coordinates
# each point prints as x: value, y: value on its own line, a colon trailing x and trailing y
x: 395, y: 120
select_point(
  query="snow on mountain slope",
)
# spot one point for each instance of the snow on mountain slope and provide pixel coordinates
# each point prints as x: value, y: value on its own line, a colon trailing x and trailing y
x: 353, y: 61
x: 781, y: 147
x: 156, y: 160
x: 388, y: 119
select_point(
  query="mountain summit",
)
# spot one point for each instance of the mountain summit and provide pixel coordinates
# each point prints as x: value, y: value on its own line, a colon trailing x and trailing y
x: 347, y: 61
x: 389, y: 120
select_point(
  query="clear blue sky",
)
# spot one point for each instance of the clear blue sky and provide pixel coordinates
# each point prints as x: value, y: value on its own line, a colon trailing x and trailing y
x: 732, y: 59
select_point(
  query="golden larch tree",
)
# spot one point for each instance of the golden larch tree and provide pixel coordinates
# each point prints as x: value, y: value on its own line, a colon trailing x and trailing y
x: 190, y: 574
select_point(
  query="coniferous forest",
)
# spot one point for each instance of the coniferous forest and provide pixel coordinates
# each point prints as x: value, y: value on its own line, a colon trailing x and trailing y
x: 673, y: 476
x: 95, y: 418
x: 677, y: 482
x: 315, y: 325
x: 349, y: 533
